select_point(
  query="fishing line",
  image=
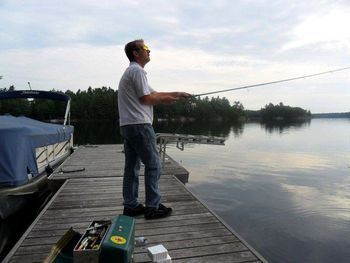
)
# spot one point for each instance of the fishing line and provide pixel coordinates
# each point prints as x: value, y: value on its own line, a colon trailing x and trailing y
x: 271, y: 82
x: 188, y: 106
x: 192, y: 104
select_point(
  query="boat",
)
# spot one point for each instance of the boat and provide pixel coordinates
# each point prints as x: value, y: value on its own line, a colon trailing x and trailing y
x: 29, y: 151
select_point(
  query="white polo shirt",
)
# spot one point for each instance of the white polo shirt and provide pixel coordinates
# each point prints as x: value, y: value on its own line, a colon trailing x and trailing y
x: 132, y: 86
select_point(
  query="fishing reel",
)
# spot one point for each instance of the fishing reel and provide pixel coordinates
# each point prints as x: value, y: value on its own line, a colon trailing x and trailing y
x: 190, y: 103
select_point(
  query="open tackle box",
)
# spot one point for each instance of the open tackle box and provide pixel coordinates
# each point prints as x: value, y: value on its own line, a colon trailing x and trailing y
x: 107, y: 241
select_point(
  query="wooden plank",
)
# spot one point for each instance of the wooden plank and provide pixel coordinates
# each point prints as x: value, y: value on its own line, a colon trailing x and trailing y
x: 108, y: 194
x: 110, y: 165
x: 189, y: 252
x: 149, y: 225
x: 141, y: 222
x: 109, y: 214
x: 178, y: 229
x: 179, y: 209
x: 152, y: 238
x: 32, y: 258
x: 235, y: 257
x: 190, y: 243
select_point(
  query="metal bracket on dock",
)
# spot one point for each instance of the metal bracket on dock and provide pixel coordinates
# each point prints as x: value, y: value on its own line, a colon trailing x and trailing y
x: 182, y: 139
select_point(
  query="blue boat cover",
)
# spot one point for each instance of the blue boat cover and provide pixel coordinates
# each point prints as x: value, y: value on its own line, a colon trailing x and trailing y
x: 19, y: 136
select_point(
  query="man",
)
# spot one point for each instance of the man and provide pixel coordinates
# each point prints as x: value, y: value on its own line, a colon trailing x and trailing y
x: 135, y: 102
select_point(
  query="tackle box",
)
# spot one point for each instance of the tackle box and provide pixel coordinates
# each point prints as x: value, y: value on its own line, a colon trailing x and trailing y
x: 107, y: 241
x: 118, y: 245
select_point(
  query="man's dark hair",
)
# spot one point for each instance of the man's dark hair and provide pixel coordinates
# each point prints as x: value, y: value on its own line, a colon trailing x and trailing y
x: 130, y: 47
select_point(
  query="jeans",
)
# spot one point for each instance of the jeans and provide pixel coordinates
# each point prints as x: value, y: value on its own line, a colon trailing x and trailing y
x: 140, y: 145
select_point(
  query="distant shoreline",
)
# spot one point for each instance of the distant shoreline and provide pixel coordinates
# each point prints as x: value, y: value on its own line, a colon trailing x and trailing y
x: 331, y: 115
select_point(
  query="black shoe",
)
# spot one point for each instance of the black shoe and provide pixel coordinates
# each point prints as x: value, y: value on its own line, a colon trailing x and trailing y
x: 138, y: 210
x: 153, y: 213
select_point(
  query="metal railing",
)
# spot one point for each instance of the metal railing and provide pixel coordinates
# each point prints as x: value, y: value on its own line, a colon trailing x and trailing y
x: 181, y: 139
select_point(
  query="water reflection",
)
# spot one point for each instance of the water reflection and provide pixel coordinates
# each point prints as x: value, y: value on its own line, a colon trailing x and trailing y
x: 94, y: 132
x: 310, y: 200
x: 288, y: 196
x: 220, y: 129
x: 284, y: 222
x: 282, y: 126
x: 13, y: 227
x: 288, y: 161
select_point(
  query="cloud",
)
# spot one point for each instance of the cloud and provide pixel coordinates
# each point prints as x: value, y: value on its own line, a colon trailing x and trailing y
x: 285, y: 161
x: 64, y: 68
x: 198, y: 47
x: 326, y: 202
x: 328, y: 29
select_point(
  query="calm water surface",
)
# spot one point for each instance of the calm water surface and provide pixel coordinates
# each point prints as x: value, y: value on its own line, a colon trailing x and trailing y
x: 284, y: 189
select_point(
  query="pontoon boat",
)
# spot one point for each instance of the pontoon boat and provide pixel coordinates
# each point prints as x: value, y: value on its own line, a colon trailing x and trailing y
x: 29, y: 150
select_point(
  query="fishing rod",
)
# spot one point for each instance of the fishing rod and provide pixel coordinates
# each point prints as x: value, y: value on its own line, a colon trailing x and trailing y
x: 271, y: 82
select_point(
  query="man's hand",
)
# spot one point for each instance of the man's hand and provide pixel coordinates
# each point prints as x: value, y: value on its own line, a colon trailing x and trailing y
x: 163, y: 97
x: 183, y: 95
x: 169, y: 99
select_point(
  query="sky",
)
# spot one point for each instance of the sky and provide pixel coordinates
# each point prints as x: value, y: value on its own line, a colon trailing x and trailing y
x: 196, y: 47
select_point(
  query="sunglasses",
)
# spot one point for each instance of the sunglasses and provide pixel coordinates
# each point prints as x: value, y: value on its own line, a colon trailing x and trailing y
x: 145, y: 48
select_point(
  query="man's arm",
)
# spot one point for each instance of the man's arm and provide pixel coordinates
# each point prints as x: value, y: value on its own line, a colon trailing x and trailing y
x: 163, y: 97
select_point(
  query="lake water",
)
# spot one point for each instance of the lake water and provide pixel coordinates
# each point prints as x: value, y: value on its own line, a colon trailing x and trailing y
x: 284, y: 189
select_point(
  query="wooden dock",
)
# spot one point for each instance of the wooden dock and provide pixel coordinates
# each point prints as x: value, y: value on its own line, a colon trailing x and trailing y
x: 92, y: 190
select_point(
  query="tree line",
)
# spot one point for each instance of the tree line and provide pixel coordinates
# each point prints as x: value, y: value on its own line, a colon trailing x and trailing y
x: 279, y: 112
x: 102, y: 104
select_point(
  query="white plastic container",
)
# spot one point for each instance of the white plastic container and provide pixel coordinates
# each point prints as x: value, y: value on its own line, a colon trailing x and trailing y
x: 157, y: 253
x: 167, y: 260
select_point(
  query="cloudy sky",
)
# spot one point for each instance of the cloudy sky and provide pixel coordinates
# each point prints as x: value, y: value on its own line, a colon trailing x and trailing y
x: 197, y: 47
